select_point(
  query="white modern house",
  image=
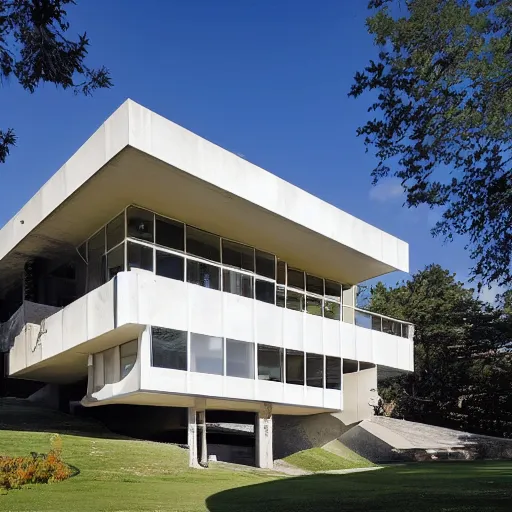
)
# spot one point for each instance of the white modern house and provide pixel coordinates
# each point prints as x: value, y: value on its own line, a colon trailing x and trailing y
x: 170, y: 272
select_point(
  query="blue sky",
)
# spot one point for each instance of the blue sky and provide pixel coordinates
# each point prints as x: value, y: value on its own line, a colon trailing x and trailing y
x: 264, y: 79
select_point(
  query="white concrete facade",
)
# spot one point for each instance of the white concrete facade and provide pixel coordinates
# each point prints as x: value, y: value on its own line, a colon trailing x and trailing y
x: 108, y: 334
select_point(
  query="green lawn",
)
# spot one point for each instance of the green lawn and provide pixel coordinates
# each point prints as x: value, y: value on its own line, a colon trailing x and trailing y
x: 334, y: 456
x: 126, y: 475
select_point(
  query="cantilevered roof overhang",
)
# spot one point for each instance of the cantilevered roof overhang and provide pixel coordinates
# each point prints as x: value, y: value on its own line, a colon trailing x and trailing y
x: 139, y: 157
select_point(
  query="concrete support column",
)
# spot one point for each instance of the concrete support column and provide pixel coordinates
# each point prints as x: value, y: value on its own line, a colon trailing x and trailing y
x: 204, y: 447
x: 192, y: 438
x: 263, y: 431
x: 90, y: 375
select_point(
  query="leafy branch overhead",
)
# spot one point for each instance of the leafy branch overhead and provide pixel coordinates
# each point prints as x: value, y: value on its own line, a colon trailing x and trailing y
x: 35, y: 48
x: 442, y: 89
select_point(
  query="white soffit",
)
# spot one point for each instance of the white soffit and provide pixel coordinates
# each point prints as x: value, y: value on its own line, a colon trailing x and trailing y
x: 139, y: 157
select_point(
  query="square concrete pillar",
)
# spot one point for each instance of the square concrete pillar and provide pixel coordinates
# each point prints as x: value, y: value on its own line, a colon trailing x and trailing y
x: 192, y: 438
x: 263, y: 431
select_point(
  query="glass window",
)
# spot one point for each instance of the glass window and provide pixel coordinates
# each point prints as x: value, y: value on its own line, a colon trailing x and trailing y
x: 140, y: 223
x: 350, y: 366
x: 315, y: 370
x: 206, y: 354
x: 239, y: 359
x: 296, y: 278
x: 333, y: 290
x: 128, y: 357
x: 332, y: 310
x: 270, y: 363
x: 281, y: 272
x: 265, y: 291
x: 96, y: 261
x: 170, y: 265
x: 390, y: 327
x: 280, y: 297
x: 169, y: 348
x: 405, y: 331
x: 294, y: 367
x: 203, y: 244
x: 377, y: 323
x: 203, y: 274
x: 314, y: 306
x: 115, y: 231
x: 363, y: 319
x: 295, y: 301
x: 169, y: 233
x: 239, y: 284
x: 115, y: 261
x: 314, y: 284
x: 332, y: 372
x: 265, y: 264
x: 140, y: 256
x: 237, y: 255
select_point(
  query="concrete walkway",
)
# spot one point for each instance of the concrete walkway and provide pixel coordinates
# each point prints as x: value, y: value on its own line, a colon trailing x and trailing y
x: 284, y: 467
x: 347, y: 471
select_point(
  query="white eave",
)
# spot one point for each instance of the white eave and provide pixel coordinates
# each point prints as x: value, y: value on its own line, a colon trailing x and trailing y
x: 139, y: 157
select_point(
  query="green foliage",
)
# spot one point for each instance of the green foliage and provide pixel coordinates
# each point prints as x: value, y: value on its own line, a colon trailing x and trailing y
x: 463, y: 361
x: 443, y: 117
x: 35, y: 49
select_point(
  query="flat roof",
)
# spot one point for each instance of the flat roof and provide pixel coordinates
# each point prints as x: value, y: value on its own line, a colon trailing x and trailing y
x: 139, y: 157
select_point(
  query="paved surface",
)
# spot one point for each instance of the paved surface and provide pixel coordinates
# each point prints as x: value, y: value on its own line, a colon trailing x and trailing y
x: 347, y: 471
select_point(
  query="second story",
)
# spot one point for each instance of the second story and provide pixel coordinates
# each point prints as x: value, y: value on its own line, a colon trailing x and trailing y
x: 209, y: 243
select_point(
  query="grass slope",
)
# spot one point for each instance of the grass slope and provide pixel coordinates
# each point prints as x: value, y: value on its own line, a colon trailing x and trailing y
x: 119, y: 474
x: 323, y: 459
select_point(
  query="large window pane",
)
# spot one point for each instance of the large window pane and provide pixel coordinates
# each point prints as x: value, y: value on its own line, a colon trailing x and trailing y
x: 332, y: 372
x: 315, y: 370
x: 140, y: 223
x: 314, y: 284
x: 314, y: 306
x: 295, y: 300
x: 295, y: 278
x: 270, y: 363
x: 265, y: 291
x: 115, y: 261
x: 203, y: 274
x: 170, y: 265
x: 128, y: 357
x: 169, y: 233
x: 363, y: 319
x: 96, y: 261
x: 405, y: 330
x: 237, y: 255
x: 239, y: 284
x: 169, y: 348
x: 265, y: 264
x: 333, y: 290
x: 280, y: 297
x: 377, y: 323
x: 294, y: 367
x: 203, y: 244
x: 281, y: 272
x: 206, y: 354
x: 331, y: 310
x: 115, y: 231
x: 239, y: 359
x: 140, y: 256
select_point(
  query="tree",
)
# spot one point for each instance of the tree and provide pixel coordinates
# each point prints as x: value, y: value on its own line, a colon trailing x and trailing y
x: 443, y: 117
x: 34, y: 49
x: 463, y: 361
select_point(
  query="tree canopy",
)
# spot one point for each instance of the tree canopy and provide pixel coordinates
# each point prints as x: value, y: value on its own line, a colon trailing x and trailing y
x: 442, y: 102
x: 35, y: 48
x: 463, y: 355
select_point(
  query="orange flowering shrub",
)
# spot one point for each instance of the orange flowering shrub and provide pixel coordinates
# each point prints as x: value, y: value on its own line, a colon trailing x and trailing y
x: 34, y: 469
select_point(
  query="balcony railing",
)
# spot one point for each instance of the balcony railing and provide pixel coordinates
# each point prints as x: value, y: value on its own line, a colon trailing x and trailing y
x: 382, y: 323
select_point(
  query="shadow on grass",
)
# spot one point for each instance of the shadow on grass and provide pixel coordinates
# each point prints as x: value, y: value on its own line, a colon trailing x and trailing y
x: 430, y: 487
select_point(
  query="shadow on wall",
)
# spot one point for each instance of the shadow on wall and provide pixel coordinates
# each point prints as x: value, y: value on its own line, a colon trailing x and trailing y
x: 296, y: 433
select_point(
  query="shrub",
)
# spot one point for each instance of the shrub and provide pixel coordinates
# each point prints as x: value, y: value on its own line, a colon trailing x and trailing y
x: 35, y: 468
